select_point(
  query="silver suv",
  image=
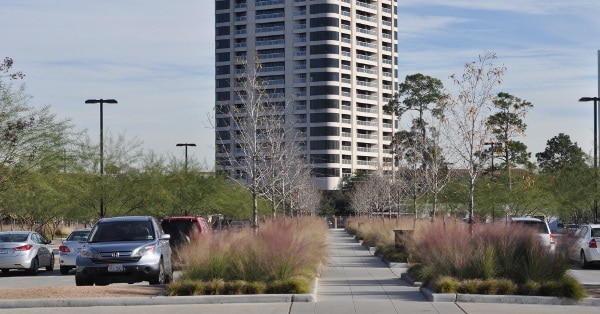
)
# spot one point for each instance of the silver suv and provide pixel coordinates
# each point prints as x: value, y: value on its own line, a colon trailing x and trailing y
x: 125, y: 249
x: 541, y: 227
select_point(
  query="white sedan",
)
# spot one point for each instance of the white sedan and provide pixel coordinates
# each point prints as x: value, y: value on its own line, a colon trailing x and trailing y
x: 25, y: 250
x: 588, y: 244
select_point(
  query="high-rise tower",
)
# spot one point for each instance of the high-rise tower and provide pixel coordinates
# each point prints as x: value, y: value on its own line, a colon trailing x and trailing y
x: 337, y: 62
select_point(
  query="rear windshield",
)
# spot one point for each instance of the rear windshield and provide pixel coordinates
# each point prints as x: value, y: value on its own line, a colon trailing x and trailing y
x: 122, y: 231
x: 174, y: 227
x: 539, y: 226
x: 75, y: 235
x: 596, y: 232
x: 13, y: 237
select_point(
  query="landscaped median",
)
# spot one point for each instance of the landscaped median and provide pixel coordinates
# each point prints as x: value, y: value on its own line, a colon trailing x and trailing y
x: 455, y: 262
x: 282, y: 257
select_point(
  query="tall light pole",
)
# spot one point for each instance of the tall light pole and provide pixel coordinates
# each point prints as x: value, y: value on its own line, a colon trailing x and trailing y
x: 493, y: 146
x: 101, y: 102
x: 186, y: 152
x: 595, y: 100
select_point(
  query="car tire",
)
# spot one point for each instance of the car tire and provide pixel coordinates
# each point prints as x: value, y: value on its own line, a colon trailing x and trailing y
x: 583, y: 261
x: 64, y: 270
x: 80, y: 281
x: 159, y: 279
x: 35, y: 265
x: 51, y: 266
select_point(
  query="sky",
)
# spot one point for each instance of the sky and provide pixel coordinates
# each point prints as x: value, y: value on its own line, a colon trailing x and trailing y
x: 156, y: 58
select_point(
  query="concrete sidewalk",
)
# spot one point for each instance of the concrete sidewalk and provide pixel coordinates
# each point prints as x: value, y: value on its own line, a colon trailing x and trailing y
x: 355, y: 281
x: 352, y: 281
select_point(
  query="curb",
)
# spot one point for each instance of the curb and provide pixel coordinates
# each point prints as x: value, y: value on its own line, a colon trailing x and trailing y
x: 159, y: 300
x: 508, y: 299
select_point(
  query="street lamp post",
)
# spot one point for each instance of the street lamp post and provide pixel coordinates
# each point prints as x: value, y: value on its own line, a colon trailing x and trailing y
x: 186, y: 152
x: 101, y: 102
x: 493, y: 146
x: 595, y: 100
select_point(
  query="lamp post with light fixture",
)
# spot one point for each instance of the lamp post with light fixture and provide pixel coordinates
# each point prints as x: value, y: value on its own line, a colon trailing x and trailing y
x: 101, y: 102
x: 186, y: 152
x: 595, y: 100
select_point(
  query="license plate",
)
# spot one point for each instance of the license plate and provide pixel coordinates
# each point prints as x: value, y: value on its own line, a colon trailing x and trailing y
x: 115, y: 268
x: 3, y: 251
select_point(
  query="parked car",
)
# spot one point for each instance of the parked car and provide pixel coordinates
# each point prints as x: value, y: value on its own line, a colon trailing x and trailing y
x: 184, y: 229
x: 69, y: 248
x: 126, y: 249
x: 587, y: 239
x: 25, y: 250
x: 541, y: 227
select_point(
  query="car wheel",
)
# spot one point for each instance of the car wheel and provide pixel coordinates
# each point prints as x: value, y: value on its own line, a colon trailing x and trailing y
x: 81, y: 281
x: 159, y: 279
x: 64, y: 270
x: 51, y: 266
x: 583, y: 261
x: 35, y: 265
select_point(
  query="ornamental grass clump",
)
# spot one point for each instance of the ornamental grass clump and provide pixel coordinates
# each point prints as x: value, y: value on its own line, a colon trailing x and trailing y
x: 379, y: 233
x: 286, y: 251
x: 479, y: 254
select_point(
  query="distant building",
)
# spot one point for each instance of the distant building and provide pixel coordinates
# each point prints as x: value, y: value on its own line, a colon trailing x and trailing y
x: 336, y: 59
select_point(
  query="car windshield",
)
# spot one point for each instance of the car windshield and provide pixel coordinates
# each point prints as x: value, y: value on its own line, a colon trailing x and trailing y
x: 111, y: 231
x: 596, y: 232
x: 75, y: 235
x: 539, y: 226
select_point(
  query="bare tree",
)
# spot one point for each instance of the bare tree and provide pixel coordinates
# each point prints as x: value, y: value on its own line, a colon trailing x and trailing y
x: 467, y: 114
x: 262, y: 141
x: 373, y: 196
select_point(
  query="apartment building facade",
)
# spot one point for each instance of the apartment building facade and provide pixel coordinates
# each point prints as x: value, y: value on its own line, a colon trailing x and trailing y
x: 336, y: 63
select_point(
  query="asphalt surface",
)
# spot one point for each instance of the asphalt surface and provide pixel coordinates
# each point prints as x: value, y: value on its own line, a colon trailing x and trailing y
x: 352, y: 281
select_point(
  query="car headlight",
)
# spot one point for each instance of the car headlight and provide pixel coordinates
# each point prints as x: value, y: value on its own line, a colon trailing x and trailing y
x: 87, y: 253
x: 146, y: 250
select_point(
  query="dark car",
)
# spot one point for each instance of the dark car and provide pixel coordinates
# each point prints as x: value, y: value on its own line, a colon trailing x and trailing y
x: 125, y: 249
x: 184, y: 229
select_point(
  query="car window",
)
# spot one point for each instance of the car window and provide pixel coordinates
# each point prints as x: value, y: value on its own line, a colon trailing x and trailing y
x: 17, y: 238
x: 596, y: 232
x: 539, y: 226
x: 122, y: 231
x: 75, y: 235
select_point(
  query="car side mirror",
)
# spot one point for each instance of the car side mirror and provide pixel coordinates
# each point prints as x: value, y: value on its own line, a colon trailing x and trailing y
x: 165, y: 236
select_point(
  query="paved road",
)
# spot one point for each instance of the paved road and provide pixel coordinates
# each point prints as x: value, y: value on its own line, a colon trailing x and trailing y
x: 353, y: 281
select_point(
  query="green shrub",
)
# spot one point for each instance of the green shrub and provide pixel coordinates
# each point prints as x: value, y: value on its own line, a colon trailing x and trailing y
x: 257, y: 287
x: 290, y: 285
x: 571, y: 288
x: 235, y: 287
x: 185, y: 287
x: 530, y: 287
x: 390, y: 254
x: 506, y: 286
x: 214, y: 287
x: 470, y: 286
x: 446, y: 284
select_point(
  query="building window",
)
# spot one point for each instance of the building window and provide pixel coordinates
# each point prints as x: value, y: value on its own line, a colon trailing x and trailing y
x: 324, y: 103
x: 324, y: 131
x: 324, y: 90
x: 324, y: 49
x: 324, y: 22
x: 320, y: 145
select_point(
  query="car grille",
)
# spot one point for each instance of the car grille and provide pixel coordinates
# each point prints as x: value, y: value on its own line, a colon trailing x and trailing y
x: 115, y: 257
